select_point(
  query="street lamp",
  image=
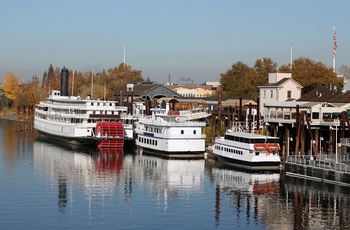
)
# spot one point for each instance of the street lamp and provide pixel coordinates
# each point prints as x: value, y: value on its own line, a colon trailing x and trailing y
x: 288, y: 144
x: 336, y: 140
x: 321, y: 139
x: 312, y: 142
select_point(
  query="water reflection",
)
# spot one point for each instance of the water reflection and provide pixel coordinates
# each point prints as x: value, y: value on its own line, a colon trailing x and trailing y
x: 317, y: 205
x: 95, y: 170
x: 251, y: 194
x: 167, y: 179
x: 15, y: 143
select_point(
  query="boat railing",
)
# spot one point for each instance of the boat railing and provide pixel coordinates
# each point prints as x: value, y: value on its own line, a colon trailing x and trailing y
x: 340, y: 163
x: 149, y: 120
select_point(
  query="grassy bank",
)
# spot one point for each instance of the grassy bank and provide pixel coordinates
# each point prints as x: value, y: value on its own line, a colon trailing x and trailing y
x: 8, y: 114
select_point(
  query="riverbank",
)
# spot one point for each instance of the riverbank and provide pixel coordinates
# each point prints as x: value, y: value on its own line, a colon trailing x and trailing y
x: 8, y: 114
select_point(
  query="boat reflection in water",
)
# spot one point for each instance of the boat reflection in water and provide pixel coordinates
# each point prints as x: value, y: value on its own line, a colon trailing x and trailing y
x: 253, y: 195
x: 169, y: 176
x: 245, y: 182
x: 68, y: 166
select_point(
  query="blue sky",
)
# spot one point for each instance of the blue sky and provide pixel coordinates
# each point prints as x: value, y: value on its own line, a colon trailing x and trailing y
x: 197, y: 39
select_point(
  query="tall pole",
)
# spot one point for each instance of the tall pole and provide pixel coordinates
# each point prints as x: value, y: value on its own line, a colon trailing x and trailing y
x: 124, y: 57
x: 334, y: 47
x: 92, y: 82
x: 73, y: 84
x: 291, y: 56
x: 336, y: 141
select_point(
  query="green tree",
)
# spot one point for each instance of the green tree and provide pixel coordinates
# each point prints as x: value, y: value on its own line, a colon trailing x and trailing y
x: 240, y: 80
x: 262, y: 68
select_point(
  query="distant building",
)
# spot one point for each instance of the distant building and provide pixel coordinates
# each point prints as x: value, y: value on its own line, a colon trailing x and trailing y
x: 280, y: 87
x: 193, y: 91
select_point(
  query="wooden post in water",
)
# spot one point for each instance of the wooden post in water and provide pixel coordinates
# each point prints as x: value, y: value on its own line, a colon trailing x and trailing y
x: 132, y: 103
x: 213, y: 125
x: 258, y: 115
x: 250, y: 118
x: 219, y: 112
x: 240, y: 109
x: 297, y: 134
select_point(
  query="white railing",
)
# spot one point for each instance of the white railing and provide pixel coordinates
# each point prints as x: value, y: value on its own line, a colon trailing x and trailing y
x: 340, y: 163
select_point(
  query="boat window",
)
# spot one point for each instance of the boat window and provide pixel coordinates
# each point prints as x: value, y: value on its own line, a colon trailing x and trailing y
x: 182, y: 132
x: 194, y: 131
x: 92, y: 103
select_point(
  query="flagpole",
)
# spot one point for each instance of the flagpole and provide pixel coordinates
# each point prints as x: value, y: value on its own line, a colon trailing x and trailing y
x: 124, y: 57
x: 334, y: 47
x: 291, y: 56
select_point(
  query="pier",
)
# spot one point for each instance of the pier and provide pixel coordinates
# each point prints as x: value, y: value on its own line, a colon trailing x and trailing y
x: 327, y: 168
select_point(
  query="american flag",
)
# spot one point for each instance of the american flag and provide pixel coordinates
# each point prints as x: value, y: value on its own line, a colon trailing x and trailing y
x: 334, y: 44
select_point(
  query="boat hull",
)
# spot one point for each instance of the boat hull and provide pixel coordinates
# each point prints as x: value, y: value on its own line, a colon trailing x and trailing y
x: 176, y: 154
x: 250, y: 165
x: 69, y: 140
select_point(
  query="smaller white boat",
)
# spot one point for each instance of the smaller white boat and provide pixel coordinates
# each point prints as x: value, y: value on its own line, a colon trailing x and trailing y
x: 248, y: 151
x: 171, y: 133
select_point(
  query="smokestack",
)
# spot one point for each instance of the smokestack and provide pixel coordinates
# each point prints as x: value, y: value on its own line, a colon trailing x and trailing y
x: 64, y: 82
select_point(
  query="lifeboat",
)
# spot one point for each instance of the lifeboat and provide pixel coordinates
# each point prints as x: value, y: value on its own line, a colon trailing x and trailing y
x: 260, y: 147
x: 273, y: 147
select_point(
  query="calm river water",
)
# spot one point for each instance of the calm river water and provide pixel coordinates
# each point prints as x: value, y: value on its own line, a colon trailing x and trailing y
x: 45, y: 185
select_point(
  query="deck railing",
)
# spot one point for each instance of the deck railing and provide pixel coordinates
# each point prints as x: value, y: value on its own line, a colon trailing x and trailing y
x: 340, y: 163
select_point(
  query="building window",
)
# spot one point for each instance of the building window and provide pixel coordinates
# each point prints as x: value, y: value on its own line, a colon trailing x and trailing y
x: 271, y: 93
x: 289, y: 94
x: 264, y: 93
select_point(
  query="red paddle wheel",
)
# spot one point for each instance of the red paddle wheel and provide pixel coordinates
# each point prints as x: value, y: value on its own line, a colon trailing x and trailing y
x: 110, y: 134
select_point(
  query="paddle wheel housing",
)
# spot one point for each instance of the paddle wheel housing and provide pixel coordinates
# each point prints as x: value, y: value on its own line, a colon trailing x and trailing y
x: 110, y: 134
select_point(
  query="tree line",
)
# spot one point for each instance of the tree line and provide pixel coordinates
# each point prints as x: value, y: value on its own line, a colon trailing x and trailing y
x: 240, y: 80
x: 16, y: 93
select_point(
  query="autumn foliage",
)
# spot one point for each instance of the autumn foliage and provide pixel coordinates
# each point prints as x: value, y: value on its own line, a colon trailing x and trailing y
x: 80, y: 83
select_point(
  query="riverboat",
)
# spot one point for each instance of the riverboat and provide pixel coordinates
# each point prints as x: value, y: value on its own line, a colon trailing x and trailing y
x: 79, y: 121
x: 172, y: 133
x: 248, y: 151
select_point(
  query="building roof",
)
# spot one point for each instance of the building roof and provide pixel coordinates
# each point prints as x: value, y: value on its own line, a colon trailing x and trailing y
x: 279, y: 83
x: 173, y: 87
x: 324, y: 93
x: 149, y: 89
